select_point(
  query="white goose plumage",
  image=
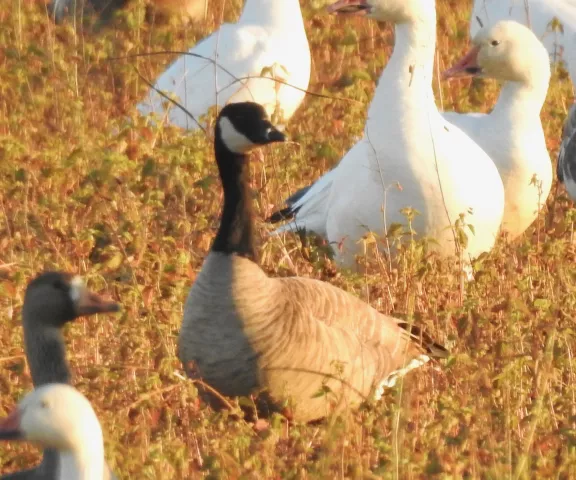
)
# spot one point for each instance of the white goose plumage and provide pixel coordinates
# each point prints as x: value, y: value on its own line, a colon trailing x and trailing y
x: 268, y: 40
x: 58, y: 416
x: 512, y: 133
x: 441, y: 171
x: 539, y: 15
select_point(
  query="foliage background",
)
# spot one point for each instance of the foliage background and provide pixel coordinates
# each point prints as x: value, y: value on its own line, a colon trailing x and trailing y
x: 85, y: 186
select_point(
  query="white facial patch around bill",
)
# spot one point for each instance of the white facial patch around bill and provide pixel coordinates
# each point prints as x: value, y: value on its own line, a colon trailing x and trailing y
x: 76, y: 288
x: 234, y: 140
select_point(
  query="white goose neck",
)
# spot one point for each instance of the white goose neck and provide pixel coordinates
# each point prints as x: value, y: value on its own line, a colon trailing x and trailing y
x: 521, y: 100
x: 405, y: 86
x: 273, y: 13
x: 86, y: 461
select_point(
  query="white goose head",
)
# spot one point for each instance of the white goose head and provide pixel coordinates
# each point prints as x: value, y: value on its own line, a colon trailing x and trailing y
x: 507, y: 51
x: 396, y: 11
x: 55, y: 416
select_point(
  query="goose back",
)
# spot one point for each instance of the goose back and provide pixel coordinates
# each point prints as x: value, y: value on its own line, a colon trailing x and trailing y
x: 268, y: 40
x: 290, y: 337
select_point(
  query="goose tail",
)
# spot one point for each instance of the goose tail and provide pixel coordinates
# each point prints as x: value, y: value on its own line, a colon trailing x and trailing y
x: 307, y: 208
x: 291, y: 208
x: 429, y: 349
x: 282, y: 215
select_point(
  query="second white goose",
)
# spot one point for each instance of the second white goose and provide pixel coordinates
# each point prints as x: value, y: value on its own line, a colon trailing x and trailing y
x: 512, y: 132
x: 409, y: 157
x: 539, y: 16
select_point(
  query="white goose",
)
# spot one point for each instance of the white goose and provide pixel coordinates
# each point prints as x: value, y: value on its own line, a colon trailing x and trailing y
x: 58, y: 416
x: 441, y: 171
x: 268, y: 40
x: 512, y: 133
x: 536, y: 14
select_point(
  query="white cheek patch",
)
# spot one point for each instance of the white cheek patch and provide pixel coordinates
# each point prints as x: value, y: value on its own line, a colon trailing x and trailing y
x: 76, y: 288
x: 234, y: 140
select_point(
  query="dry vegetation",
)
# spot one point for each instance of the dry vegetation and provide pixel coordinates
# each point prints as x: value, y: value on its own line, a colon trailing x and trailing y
x: 134, y: 209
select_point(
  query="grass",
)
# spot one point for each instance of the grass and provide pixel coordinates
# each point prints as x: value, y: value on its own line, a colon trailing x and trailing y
x: 135, y: 209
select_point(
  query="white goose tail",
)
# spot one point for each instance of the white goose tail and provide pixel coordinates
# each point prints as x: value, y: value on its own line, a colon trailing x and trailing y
x: 306, y: 209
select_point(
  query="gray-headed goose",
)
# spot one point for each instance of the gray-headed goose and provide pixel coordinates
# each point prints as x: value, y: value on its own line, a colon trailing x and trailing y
x: 52, y: 300
x: 246, y: 333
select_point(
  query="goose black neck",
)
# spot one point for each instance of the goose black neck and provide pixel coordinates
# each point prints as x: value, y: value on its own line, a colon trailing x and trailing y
x: 235, y: 235
x: 46, y: 354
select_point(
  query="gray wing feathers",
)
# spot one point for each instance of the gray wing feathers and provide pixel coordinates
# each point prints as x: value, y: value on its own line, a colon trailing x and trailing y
x: 297, y: 338
x: 326, y: 339
x: 566, y: 165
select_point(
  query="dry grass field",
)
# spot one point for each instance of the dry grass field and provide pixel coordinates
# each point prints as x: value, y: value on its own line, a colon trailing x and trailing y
x: 85, y: 186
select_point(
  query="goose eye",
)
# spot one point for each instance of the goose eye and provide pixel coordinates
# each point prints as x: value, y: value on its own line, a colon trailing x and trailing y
x: 495, y: 43
x: 44, y: 404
